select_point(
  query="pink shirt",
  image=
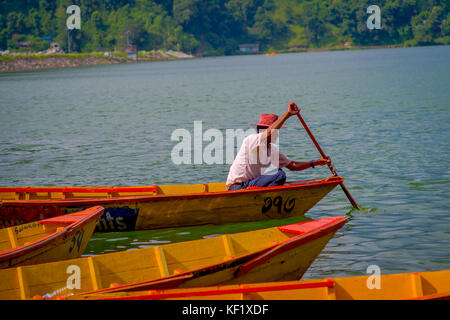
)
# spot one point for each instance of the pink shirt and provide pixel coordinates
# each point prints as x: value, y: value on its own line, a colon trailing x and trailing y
x: 246, y: 165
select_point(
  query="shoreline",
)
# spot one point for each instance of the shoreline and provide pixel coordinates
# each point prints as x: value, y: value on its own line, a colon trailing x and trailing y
x: 344, y: 48
x: 31, y: 62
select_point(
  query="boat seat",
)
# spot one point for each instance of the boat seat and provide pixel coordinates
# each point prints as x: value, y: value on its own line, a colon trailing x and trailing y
x: 305, y: 227
x: 67, y: 219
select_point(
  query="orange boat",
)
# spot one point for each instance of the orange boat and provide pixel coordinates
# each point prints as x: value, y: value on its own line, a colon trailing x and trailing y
x: 432, y: 285
x: 164, y: 206
x: 272, y: 254
x: 47, y: 240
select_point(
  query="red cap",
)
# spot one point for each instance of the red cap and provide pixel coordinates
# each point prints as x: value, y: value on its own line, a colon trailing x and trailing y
x: 266, y: 119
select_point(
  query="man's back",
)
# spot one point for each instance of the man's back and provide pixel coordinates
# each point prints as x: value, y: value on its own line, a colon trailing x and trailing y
x: 253, y: 159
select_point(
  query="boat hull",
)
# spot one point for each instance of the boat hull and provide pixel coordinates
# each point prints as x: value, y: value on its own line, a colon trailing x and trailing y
x: 48, y: 240
x: 127, y: 213
x: 247, y: 256
x: 288, y: 265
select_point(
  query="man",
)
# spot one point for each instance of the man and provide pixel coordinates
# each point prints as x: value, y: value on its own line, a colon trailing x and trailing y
x: 257, y: 154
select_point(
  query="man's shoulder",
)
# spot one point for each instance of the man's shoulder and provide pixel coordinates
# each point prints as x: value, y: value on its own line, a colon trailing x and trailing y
x: 252, y: 140
x: 252, y: 137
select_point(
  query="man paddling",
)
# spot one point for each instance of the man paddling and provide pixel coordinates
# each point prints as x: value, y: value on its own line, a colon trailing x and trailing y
x: 257, y: 154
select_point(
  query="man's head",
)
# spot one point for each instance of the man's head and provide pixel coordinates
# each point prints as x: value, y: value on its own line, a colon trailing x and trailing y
x: 265, y: 121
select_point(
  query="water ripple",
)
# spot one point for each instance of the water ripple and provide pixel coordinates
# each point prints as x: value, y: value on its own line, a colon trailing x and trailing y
x: 382, y: 115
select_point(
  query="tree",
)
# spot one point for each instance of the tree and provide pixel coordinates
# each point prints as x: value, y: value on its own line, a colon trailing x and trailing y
x: 218, y: 26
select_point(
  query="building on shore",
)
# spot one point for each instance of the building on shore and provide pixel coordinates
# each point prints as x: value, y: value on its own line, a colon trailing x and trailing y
x: 54, y: 48
x: 249, y: 48
x: 23, y: 44
x: 131, y: 51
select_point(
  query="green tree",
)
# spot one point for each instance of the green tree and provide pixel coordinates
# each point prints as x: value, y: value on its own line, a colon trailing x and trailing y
x: 218, y: 26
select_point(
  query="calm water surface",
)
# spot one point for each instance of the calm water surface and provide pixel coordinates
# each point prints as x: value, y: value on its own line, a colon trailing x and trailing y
x: 382, y: 115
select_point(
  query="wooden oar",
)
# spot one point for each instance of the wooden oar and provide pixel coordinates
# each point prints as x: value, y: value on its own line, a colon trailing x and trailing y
x: 332, y: 169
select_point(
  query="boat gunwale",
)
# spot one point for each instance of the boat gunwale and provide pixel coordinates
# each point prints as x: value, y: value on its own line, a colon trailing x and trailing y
x: 80, y: 189
x: 218, y: 290
x: 433, y: 296
x: 237, y: 289
x: 293, y: 185
x: 68, y: 230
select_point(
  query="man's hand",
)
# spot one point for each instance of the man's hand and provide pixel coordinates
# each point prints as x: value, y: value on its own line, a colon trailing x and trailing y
x: 302, y: 165
x: 292, y: 109
x: 322, y: 161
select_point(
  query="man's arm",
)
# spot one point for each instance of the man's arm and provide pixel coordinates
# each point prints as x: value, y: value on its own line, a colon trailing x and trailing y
x: 302, y: 165
x: 291, y: 110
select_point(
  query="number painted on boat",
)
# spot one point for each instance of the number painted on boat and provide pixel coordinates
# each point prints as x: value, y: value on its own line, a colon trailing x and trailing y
x: 277, y: 202
x: 77, y: 240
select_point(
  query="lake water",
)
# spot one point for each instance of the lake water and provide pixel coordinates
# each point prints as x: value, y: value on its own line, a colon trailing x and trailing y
x: 382, y: 115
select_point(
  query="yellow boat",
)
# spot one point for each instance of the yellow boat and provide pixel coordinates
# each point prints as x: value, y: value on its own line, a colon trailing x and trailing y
x: 165, y: 206
x: 274, y: 254
x: 53, y: 239
x: 433, y: 285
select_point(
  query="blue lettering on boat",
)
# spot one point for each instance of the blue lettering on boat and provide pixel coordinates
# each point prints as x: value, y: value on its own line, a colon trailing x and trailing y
x: 117, y: 219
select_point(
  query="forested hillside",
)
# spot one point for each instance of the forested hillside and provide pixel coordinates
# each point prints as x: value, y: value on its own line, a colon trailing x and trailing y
x: 216, y: 27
